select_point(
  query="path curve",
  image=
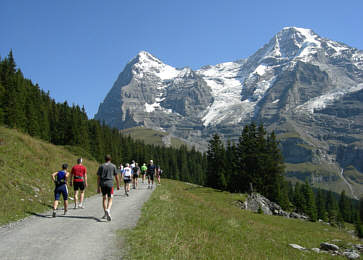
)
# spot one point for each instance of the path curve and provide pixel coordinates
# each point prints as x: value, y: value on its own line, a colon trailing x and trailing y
x: 81, y: 234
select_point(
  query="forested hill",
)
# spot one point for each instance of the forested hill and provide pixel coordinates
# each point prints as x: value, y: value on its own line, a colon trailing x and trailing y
x: 24, y: 106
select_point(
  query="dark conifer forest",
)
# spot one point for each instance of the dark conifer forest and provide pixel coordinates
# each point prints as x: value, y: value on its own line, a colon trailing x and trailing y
x: 255, y: 161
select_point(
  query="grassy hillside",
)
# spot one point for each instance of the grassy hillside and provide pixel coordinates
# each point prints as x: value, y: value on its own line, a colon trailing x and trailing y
x: 25, y: 168
x: 150, y: 136
x: 184, y: 221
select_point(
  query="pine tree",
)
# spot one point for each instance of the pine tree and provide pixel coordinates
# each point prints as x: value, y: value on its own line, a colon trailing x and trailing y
x: 344, y: 207
x: 216, y: 160
x: 320, y: 204
x: 310, y: 206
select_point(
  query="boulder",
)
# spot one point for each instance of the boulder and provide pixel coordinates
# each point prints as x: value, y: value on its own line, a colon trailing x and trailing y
x: 297, y: 247
x: 351, y: 255
x: 328, y: 247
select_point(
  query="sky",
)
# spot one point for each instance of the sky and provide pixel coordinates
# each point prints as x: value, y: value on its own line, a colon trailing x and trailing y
x: 76, y: 49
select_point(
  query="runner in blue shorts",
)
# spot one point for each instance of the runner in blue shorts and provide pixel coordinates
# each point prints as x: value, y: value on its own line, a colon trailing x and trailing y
x: 60, y: 180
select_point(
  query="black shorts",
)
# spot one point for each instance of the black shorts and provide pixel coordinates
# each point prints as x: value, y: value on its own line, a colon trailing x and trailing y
x: 107, y: 191
x: 151, y: 176
x: 135, y: 176
x: 78, y: 185
x: 127, y: 180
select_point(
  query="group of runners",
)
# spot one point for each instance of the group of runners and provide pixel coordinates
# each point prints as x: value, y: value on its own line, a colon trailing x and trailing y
x: 106, y: 175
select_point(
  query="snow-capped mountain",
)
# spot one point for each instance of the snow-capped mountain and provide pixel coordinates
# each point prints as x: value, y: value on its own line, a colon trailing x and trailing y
x: 307, y: 88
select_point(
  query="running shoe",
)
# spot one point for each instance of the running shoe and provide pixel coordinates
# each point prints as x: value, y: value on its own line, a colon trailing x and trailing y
x: 81, y: 206
x: 75, y: 207
x: 108, y: 215
x: 65, y: 212
x: 104, y: 216
x: 54, y: 214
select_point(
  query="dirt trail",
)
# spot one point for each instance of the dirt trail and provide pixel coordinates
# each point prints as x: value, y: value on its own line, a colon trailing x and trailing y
x: 81, y: 234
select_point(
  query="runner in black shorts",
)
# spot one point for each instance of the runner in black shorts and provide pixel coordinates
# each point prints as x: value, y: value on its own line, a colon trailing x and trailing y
x: 106, y: 173
x: 127, y: 174
x: 79, y: 182
x: 135, y: 175
x: 151, y: 168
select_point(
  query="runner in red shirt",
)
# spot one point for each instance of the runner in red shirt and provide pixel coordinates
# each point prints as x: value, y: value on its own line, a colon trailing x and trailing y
x: 79, y: 181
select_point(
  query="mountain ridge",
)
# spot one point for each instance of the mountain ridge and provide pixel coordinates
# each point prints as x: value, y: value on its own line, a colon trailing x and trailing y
x: 294, y: 84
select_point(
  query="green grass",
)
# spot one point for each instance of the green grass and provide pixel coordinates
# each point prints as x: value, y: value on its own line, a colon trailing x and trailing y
x: 183, y: 221
x: 26, y: 164
x: 150, y: 136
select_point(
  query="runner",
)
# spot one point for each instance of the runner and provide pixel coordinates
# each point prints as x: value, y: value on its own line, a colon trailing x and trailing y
x: 143, y: 171
x: 106, y: 173
x: 159, y: 171
x: 60, y: 180
x: 127, y: 178
x: 135, y: 175
x: 150, y: 174
x: 79, y: 178
x: 132, y: 165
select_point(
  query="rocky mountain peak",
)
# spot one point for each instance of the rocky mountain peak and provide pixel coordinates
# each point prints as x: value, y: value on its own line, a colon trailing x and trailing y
x: 147, y: 65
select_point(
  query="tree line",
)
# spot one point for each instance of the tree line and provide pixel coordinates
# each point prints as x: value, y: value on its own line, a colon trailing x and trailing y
x: 254, y: 162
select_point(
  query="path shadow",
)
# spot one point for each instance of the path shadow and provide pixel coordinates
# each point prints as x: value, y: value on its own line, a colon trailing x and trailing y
x: 64, y: 216
x: 38, y: 215
x: 80, y: 217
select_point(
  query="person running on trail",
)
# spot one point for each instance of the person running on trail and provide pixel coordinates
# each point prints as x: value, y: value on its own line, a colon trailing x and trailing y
x: 60, y: 179
x: 79, y: 178
x: 132, y: 165
x: 135, y: 175
x: 143, y: 172
x: 151, y: 168
x: 127, y: 174
x: 159, y: 171
x: 105, y: 175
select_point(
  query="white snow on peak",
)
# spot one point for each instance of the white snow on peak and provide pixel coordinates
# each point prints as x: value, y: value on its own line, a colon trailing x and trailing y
x: 149, y: 108
x: 261, y: 69
x: 322, y: 101
x: 148, y: 64
x: 226, y: 84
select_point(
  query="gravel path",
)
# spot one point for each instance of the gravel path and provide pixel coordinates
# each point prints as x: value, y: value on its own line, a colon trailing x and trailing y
x: 81, y: 234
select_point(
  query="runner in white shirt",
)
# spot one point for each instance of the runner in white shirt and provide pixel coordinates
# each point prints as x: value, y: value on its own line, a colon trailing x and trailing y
x: 127, y: 173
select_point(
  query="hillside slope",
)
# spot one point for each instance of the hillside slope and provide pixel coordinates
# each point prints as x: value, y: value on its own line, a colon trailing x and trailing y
x: 153, y: 137
x: 186, y: 221
x: 26, y: 164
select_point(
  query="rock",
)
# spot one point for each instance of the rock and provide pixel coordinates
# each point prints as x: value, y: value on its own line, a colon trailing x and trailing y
x: 359, y: 247
x: 297, y: 247
x: 316, y: 250
x: 328, y: 247
x: 351, y: 255
x: 256, y: 201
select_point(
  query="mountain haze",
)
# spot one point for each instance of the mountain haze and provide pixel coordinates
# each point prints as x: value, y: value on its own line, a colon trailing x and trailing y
x: 306, y: 88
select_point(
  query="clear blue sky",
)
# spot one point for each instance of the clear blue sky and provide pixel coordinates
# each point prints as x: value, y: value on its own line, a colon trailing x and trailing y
x: 76, y: 49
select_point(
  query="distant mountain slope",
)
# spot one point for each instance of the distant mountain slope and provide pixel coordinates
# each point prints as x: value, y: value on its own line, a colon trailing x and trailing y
x: 153, y: 137
x: 306, y: 88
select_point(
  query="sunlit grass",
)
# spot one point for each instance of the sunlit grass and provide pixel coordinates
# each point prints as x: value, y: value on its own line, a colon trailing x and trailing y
x: 26, y: 164
x: 183, y: 221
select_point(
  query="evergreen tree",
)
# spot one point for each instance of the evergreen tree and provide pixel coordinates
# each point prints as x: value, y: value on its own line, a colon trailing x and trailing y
x: 344, y: 207
x: 216, y: 160
x: 310, y: 206
x: 320, y: 204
